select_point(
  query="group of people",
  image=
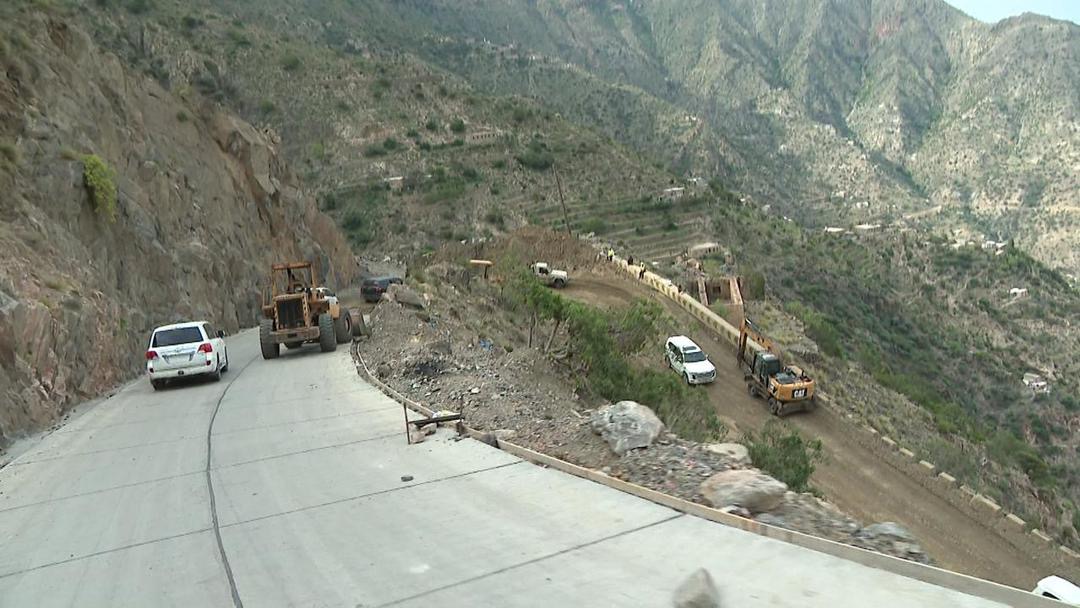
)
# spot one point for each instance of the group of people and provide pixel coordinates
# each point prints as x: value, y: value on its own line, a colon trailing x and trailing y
x: 610, y: 254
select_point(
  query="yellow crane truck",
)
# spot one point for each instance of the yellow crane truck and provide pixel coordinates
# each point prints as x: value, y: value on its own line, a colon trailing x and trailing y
x: 787, y: 389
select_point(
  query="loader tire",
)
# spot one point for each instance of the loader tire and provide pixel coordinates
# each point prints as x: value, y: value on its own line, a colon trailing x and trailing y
x: 327, y: 337
x: 270, y: 349
x: 343, y: 327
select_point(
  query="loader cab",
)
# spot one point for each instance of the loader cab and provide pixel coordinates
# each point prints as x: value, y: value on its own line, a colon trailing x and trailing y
x: 766, y: 365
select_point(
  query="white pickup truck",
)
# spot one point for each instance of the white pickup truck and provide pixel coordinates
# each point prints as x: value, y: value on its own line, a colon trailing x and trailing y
x: 554, y: 278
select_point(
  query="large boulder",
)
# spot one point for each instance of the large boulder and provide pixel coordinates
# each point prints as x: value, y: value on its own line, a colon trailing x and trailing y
x: 733, y: 452
x: 405, y: 296
x: 626, y: 425
x: 698, y: 591
x: 747, y: 488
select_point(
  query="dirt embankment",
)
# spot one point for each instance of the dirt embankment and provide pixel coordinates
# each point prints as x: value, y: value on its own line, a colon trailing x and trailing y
x: 205, y: 203
x: 852, y: 476
x: 464, y: 352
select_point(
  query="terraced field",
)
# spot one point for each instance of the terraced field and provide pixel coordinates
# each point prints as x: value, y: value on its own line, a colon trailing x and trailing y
x: 644, y: 228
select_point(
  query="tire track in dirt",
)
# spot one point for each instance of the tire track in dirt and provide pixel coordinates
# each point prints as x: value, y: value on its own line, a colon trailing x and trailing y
x: 852, y: 477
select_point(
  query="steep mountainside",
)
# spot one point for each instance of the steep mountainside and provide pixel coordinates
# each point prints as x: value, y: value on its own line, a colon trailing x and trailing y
x: 204, y: 204
x: 353, y: 116
x: 837, y: 112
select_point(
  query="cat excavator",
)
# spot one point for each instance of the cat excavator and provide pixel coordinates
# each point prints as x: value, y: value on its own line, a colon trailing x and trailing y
x: 786, y: 389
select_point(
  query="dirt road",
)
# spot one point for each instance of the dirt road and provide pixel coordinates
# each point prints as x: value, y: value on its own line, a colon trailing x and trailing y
x: 852, y: 477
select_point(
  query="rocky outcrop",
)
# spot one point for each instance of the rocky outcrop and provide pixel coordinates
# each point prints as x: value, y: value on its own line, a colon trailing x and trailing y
x: 205, y: 203
x: 747, y: 488
x: 626, y: 425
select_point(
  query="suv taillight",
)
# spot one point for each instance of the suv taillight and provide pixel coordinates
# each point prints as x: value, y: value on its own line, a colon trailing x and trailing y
x: 151, y: 355
x: 206, y: 347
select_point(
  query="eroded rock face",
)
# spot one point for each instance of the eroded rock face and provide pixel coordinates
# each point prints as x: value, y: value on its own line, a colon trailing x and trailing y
x: 626, y: 425
x: 206, y: 203
x: 747, y: 488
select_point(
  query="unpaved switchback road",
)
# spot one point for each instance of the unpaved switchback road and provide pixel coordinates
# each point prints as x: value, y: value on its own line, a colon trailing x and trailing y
x: 852, y: 477
x: 289, y: 483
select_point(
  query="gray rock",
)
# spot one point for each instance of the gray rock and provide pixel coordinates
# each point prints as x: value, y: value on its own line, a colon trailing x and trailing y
x: 405, y: 296
x: 626, y: 425
x: 698, y: 591
x: 886, y: 530
x: 746, y: 488
x: 505, y: 434
x: 734, y: 452
x: 772, y: 520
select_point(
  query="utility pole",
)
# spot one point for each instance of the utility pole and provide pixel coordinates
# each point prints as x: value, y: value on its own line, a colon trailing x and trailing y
x: 562, y: 201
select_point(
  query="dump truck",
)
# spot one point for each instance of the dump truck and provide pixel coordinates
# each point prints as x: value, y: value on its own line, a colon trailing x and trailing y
x: 553, y: 278
x: 786, y: 389
x: 297, y: 310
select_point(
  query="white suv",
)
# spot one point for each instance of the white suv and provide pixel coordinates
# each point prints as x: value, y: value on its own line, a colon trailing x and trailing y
x: 186, y: 349
x: 689, y: 361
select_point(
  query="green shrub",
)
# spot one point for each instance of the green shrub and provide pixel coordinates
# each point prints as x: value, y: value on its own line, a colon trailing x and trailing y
x: 470, y: 174
x: 594, y: 224
x: 781, y: 451
x: 1071, y: 404
x: 291, y: 62
x: 495, y: 217
x: 499, y: 164
x: 458, y: 126
x: 820, y: 329
x: 182, y: 116
x: 240, y: 39
x: 536, y: 157
x: 445, y: 192
x: 191, y: 22
x: 432, y: 125
x: 412, y: 133
x: 9, y: 152
x: 375, y: 150
x: 457, y: 143
x: 139, y: 7
x: 100, y: 180
x: 267, y: 107
x: 754, y: 286
x: 390, y: 144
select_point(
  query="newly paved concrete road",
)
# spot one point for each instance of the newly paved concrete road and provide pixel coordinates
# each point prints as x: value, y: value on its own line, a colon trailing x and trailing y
x: 282, y: 485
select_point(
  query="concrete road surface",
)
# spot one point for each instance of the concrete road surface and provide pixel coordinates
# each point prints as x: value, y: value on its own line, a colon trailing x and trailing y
x: 282, y: 485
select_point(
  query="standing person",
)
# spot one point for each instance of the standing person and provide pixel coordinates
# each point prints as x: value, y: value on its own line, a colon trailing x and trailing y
x: 641, y: 275
x: 630, y: 260
x: 610, y: 255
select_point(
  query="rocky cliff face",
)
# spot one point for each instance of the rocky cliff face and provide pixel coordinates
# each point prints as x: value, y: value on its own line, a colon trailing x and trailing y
x: 205, y: 203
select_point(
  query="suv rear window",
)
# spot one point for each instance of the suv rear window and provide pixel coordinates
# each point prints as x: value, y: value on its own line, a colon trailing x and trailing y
x: 182, y: 335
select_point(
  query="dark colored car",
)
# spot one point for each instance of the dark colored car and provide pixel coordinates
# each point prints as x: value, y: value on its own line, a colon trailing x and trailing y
x: 373, y: 288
